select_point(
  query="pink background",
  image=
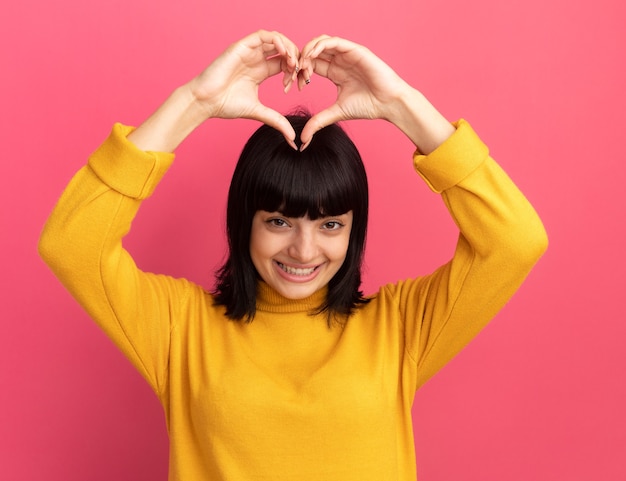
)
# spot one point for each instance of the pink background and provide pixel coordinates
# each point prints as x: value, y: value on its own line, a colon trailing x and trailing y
x: 540, y: 395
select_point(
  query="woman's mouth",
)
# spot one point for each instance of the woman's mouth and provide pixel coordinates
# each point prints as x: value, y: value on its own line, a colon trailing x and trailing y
x: 297, y: 271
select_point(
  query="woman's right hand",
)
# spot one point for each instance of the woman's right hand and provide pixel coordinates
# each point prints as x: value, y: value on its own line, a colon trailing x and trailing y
x: 229, y: 87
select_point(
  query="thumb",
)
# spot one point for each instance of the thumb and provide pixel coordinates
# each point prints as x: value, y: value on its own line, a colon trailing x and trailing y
x: 274, y: 119
x: 320, y: 120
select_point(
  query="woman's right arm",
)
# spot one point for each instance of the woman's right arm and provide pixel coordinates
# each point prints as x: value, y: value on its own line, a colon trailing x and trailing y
x: 82, y: 240
x: 82, y: 244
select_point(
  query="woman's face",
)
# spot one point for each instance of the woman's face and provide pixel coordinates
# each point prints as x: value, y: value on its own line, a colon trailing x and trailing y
x: 297, y: 256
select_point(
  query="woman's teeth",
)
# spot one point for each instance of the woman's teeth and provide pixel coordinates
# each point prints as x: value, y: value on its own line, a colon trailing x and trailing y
x: 296, y: 271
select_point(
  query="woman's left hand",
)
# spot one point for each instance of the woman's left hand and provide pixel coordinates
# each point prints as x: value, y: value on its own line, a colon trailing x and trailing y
x: 367, y: 88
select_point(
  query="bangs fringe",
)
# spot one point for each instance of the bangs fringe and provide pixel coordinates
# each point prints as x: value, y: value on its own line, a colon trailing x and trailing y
x: 298, y: 184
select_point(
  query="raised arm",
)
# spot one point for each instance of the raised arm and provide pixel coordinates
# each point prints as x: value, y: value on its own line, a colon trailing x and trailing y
x: 501, y: 237
x: 82, y: 240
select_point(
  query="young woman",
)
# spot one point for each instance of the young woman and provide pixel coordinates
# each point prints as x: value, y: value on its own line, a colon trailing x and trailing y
x: 285, y: 370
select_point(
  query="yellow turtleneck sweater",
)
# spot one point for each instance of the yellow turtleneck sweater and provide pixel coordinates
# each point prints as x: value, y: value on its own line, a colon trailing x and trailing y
x: 286, y: 397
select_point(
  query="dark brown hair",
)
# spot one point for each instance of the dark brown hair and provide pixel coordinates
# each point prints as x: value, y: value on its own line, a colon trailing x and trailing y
x: 327, y: 179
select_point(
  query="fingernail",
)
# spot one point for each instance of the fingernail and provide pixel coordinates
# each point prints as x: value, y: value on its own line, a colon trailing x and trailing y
x: 307, y: 81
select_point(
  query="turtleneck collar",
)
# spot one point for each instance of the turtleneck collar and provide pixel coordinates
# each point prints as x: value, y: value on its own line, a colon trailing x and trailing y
x: 271, y: 301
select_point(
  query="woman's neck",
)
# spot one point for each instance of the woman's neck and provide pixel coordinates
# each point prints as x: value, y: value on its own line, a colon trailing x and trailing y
x: 271, y: 301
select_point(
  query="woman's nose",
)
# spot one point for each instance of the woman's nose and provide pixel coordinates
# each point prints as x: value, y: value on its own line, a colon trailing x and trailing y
x: 303, y: 248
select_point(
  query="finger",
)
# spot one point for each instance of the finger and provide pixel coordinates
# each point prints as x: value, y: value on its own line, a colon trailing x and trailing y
x: 304, y: 78
x: 319, y: 67
x: 288, y: 79
x: 318, y: 55
x: 330, y: 45
x: 310, y: 45
x: 277, y: 44
x: 290, y: 76
x: 306, y: 66
x: 290, y: 66
x: 320, y: 120
x: 278, y: 64
x: 305, y: 73
x: 268, y: 38
x: 293, y: 53
x: 279, y: 122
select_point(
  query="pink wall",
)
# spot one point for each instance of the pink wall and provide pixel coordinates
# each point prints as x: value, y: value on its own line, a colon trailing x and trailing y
x: 539, y: 395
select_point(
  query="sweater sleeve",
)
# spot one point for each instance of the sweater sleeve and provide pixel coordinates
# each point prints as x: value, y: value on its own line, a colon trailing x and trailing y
x: 82, y: 244
x: 501, y: 238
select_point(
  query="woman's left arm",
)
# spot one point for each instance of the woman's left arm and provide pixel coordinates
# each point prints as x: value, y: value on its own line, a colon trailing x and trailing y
x: 501, y: 236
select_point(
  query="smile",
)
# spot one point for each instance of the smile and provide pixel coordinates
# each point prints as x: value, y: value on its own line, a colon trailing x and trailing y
x: 296, y: 271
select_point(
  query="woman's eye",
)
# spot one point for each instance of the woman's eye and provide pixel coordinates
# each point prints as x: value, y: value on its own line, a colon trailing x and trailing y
x: 277, y: 222
x: 333, y: 225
